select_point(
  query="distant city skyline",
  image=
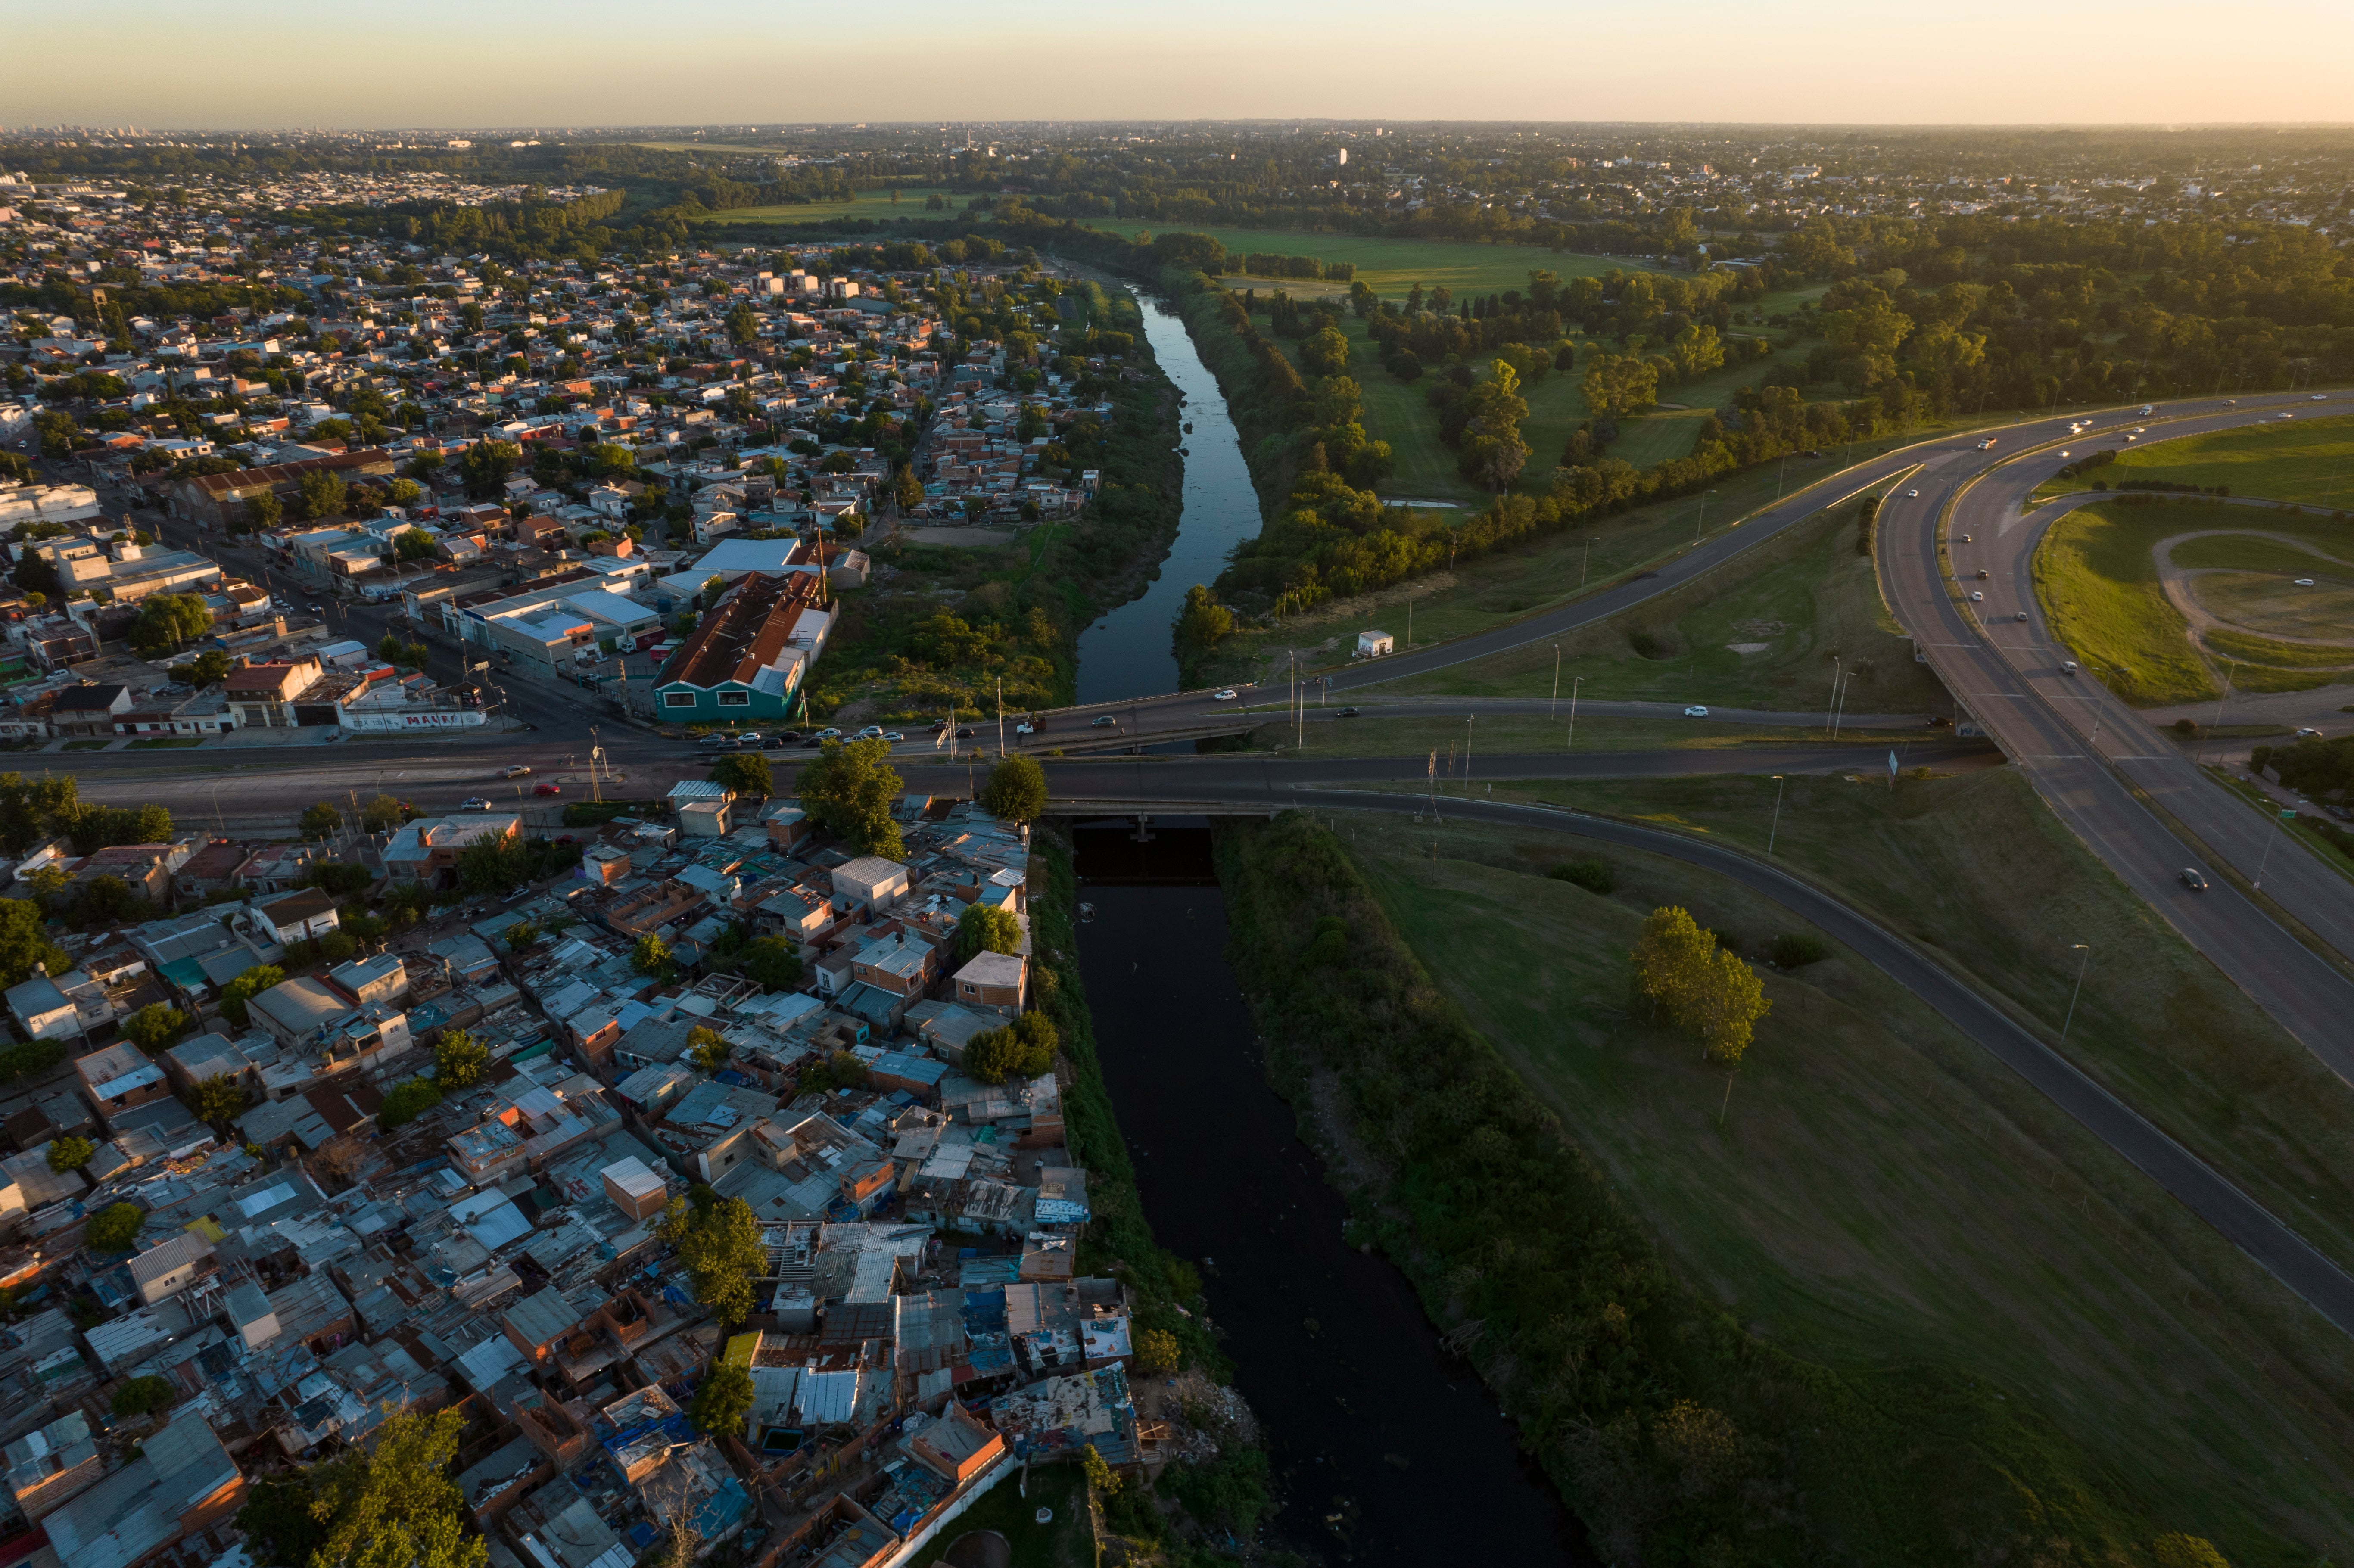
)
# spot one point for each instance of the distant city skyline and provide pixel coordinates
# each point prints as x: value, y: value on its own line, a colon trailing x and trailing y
x: 268, y: 65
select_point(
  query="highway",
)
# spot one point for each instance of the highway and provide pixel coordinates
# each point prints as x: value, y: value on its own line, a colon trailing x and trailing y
x: 2087, y: 752
x: 2287, y: 1255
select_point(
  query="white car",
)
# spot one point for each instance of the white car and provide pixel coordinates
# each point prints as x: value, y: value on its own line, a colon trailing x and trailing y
x: 474, y: 803
x: 1966, y: 538
x: 893, y: 737
x: 1695, y: 713
x: 871, y: 732
x: 828, y: 735
x: 1911, y: 495
x: 2321, y: 397
x: 1976, y: 597
x: 2304, y: 582
x: 519, y: 771
x: 1025, y: 728
x: 1225, y: 696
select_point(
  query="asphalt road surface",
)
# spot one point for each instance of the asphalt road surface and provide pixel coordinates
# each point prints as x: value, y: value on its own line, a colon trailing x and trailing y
x: 2009, y: 674
x: 2241, y: 1220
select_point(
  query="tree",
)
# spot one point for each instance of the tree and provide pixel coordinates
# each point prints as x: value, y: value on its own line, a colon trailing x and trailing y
x: 1024, y: 1049
x: 724, y: 1401
x: 380, y: 813
x: 25, y: 942
x: 1101, y: 1478
x: 772, y: 963
x: 406, y: 1102
x: 324, y: 493
x: 264, y: 511
x: 277, y: 1520
x: 244, y: 988
x: 746, y: 772
x: 652, y: 957
x: 721, y: 1250
x: 167, y: 621
x: 908, y: 489
x: 710, y: 1048
x: 986, y: 928
x: 70, y: 1153
x: 209, y: 668
x: 521, y: 935
x: 217, y: 1100
x: 1671, y: 959
x: 1618, y: 384
x: 1158, y: 1352
x: 1016, y: 790
x: 397, y: 1507
x: 459, y: 1060
x: 143, y: 1396
x: 1493, y: 452
x: 485, y: 465
x: 1325, y: 354
x: 113, y: 1228
x: 412, y: 544
x: 1728, y: 1007
x: 156, y: 1027
x: 850, y: 790
x: 321, y: 819
x: 1204, y: 623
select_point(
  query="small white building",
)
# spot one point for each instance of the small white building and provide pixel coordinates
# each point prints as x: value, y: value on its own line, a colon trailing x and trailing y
x: 872, y: 881
x: 1374, y: 644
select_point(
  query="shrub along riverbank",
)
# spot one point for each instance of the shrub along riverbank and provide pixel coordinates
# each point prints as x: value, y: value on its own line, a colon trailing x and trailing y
x: 1678, y: 1437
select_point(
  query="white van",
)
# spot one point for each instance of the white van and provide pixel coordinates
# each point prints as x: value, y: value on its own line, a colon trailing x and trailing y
x: 2067, y: 666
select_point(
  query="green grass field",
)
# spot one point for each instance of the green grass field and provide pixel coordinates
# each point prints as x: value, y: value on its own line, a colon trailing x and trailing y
x: 2309, y: 461
x: 2096, y: 575
x: 1804, y: 597
x: 1064, y: 1542
x: 872, y: 205
x: 1883, y: 1195
x: 1392, y: 267
x: 1377, y: 734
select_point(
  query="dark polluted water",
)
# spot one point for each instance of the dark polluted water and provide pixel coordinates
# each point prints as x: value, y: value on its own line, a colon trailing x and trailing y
x: 1386, y: 1450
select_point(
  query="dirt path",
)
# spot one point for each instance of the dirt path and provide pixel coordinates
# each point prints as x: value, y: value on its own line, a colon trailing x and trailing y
x: 2176, y: 582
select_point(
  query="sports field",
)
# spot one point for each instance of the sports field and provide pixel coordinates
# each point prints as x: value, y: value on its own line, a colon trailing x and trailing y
x: 1884, y: 1196
x: 2102, y: 577
x: 1392, y: 267
x: 875, y: 205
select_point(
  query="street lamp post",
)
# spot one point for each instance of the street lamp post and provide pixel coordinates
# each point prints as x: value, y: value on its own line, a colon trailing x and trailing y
x: 1467, y: 754
x: 1576, y: 681
x: 1552, y: 706
x: 1702, y: 526
x: 2085, y: 949
x: 1779, y: 785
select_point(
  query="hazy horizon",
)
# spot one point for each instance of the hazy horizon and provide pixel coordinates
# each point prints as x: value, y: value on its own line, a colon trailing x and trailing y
x: 440, y: 65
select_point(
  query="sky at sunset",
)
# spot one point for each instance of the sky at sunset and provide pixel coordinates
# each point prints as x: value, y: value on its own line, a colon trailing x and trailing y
x: 267, y: 63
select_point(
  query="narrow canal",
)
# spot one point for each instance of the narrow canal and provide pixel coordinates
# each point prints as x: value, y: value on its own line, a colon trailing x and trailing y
x: 1385, y: 1449
x: 1127, y: 653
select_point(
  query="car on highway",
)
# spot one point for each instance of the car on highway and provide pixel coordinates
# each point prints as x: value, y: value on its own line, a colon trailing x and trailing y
x: 2193, y: 880
x: 2307, y: 732
x: 2304, y: 582
x: 2020, y: 616
x: 2321, y: 397
x: 1225, y: 696
x: 2067, y: 666
x: 2289, y: 416
x: 2063, y: 454
x: 716, y: 740
x: 871, y: 732
x: 313, y: 610
x: 474, y: 803
x: 1912, y: 496
x: 1966, y: 538
x: 1976, y: 597
x: 827, y: 735
x: 517, y: 771
x: 1987, y: 445
x: 893, y: 737
x: 1984, y: 573
x: 750, y: 740
x: 1104, y: 721
x: 1695, y: 712
x: 551, y: 788
x: 1348, y: 713
x: 1025, y: 728
x: 965, y: 733
x: 782, y: 738
x: 2231, y: 402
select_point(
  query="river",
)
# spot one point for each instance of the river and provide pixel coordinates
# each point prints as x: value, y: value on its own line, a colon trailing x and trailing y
x: 1385, y: 1449
x: 1126, y: 654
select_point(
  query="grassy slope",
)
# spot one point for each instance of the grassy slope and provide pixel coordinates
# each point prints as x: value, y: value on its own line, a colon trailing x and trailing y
x: 2305, y: 460
x: 1806, y: 595
x: 1882, y: 1193
x: 2097, y: 579
x: 1975, y: 870
x: 1492, y: 735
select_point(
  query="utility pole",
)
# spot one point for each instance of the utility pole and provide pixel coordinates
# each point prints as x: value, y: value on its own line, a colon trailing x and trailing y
x: 1554, y: 706
x: 1584, y: 563
x: 1833, y: 703
x: 1001, y: 716
x: 2086, y: 949
x: 1575, y: 683
x: 1467, y: 753
x: 1779, y: 785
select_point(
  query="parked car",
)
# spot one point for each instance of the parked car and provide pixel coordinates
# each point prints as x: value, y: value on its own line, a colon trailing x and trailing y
x: 1225, y: 696
x: 716, y: 740
x: 314, y: 610
x: 1695, y: 713
x: 748, y: 741
x: 782, y: 738
x: 517, y: 771
x: 550, y: 788
x: 2193, y: 880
